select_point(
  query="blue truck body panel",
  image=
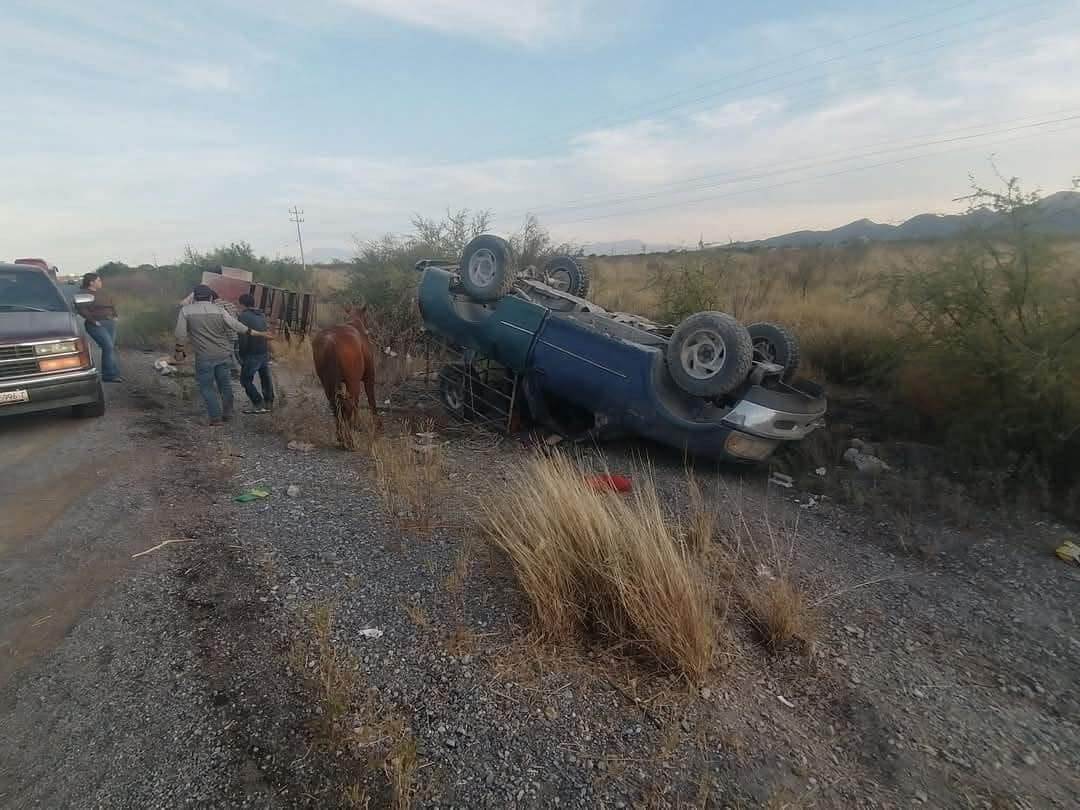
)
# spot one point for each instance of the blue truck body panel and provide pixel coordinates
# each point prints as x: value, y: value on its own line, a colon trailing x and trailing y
x: 623, y: 383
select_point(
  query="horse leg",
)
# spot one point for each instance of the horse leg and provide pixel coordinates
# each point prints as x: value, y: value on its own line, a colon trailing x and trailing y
x: 350, y: 401
x: 369, y: 389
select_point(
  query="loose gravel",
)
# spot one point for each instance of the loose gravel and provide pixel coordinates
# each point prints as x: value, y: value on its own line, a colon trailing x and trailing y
x: 945, y: 682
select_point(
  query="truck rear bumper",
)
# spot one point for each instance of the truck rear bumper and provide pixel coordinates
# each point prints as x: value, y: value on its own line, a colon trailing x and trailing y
x: 52, y: 391
x: 788, y: 413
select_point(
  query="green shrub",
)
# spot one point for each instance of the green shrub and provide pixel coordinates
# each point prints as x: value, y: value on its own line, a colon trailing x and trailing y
x: 684, y: 291
x: 995, y: 324
x: 384, y: 275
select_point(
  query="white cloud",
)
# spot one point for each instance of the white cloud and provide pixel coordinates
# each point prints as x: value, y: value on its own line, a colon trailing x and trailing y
x: 124, y: 43
x: 206, y: 77
x: 738, y: 113
x: 523, y: 22
x: 742, y: 169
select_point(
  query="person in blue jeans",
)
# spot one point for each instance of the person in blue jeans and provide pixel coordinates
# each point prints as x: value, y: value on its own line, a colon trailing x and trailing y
x: 210, y: 330
x: 100, y: 316
x: 254, y: 354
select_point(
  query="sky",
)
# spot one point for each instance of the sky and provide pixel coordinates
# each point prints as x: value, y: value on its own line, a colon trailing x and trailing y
x: 129, y: 129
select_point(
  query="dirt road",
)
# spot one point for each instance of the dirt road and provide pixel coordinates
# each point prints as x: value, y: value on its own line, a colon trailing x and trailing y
x: 90, y: 707
x: 69, y: 513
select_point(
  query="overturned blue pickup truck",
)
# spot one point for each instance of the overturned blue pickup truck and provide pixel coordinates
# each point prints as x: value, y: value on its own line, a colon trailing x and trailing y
x: 530, y: 346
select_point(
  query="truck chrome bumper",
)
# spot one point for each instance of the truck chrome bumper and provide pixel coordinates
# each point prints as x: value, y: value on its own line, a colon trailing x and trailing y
x: 38, y: 380
x: 770, y: 423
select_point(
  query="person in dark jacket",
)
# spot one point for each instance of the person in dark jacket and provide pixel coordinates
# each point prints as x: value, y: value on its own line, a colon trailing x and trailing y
x: 254, y: 353
x: 100, y: 316
x: 211, y: 330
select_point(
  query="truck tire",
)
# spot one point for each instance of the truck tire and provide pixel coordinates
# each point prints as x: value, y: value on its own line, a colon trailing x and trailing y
x: 710, y: 354
x: 91, y: 410
x: 456, y: 390
x: 774, y: 343
x: 486, y: 268
x: 567, y: 275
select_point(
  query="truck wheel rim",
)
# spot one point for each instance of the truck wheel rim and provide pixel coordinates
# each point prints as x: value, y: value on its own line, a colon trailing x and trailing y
x: 765, y: 350
x: 482, y: 266
x: 559, y: 280
x: 703, y: 354
x: 454, y: 397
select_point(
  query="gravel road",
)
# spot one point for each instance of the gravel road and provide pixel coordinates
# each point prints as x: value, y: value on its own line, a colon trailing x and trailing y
x: 173, y: 680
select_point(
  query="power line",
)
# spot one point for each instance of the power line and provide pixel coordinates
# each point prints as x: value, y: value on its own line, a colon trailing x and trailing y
x: 876, y: 86
x: 587, y: 200
x: 842, y: 41
x: 297, y: 215
x: 608, y: 122
x: 594, y: 123
x: 710, y: 198
x: 839, y: 57
x: 616, y: 200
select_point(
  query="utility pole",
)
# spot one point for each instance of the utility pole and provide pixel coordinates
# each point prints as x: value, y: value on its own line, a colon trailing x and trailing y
x: 297, y: 215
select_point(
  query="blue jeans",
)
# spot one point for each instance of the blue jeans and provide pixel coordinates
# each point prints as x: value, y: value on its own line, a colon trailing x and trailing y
x: 104, y: 334
x: 250, y: 365
x: 215, y: 384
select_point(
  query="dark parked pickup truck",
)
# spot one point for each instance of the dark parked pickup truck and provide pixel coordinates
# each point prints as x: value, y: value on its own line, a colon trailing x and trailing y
x: 45, y: 357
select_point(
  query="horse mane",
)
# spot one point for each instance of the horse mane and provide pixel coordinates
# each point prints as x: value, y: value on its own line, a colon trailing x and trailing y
x: 356, y: 317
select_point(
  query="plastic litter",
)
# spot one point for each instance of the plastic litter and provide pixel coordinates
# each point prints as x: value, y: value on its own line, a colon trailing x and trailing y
x: 164, y: 367
x: 292, y: 491
x: 865, y: 463
x: 820, y: 472
x: 1069, y: 552
x: 781, y: 480
x: 371, y: 632
x: 253, y: 494
x: 608, y: 483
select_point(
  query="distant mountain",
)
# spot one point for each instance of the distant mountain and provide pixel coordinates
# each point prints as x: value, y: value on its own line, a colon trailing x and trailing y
x: 1057, y: 214
x: 622, y: 247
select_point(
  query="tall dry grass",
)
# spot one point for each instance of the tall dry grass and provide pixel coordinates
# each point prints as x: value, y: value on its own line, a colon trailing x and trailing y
x: 834, y: 299
x: 411, y: 474
x: 596, y: 563
x: 301, y: 412
x: 760, y: 560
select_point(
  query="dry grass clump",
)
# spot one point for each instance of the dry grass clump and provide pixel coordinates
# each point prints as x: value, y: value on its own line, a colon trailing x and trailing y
x: 779, y: 611
x: 773, y: 600
x: 301, y: 413
x: 400, y: 768
x: 368, y: 741
x: 605, y: 564
x: 293, y: 356
x: 330, y: 674
x: 410, y: 471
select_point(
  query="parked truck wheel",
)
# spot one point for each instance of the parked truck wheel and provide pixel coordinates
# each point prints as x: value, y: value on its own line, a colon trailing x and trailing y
x: 710, y: 354
x: 774, y: 343
x: 456, y: 390
x: 567, y: 275
x: 486, y: 268
x: 91, y: 410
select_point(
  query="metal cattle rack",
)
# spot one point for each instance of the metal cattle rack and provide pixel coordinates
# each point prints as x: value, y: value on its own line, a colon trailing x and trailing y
x: 470, y: 386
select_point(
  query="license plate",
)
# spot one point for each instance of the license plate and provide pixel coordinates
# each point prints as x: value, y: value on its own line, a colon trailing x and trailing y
x: 11, y: 397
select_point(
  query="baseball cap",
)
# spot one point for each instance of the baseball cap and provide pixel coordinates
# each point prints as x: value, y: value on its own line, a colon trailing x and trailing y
x: 203, y: 293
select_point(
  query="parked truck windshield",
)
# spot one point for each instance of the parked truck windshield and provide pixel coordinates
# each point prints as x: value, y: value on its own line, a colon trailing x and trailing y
x: 22, y: 291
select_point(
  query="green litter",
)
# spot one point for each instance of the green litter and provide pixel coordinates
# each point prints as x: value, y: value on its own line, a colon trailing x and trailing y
x: 252, y: 495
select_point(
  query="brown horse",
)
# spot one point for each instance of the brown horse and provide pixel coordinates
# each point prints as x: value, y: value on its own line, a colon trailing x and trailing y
x: 344, y: 357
